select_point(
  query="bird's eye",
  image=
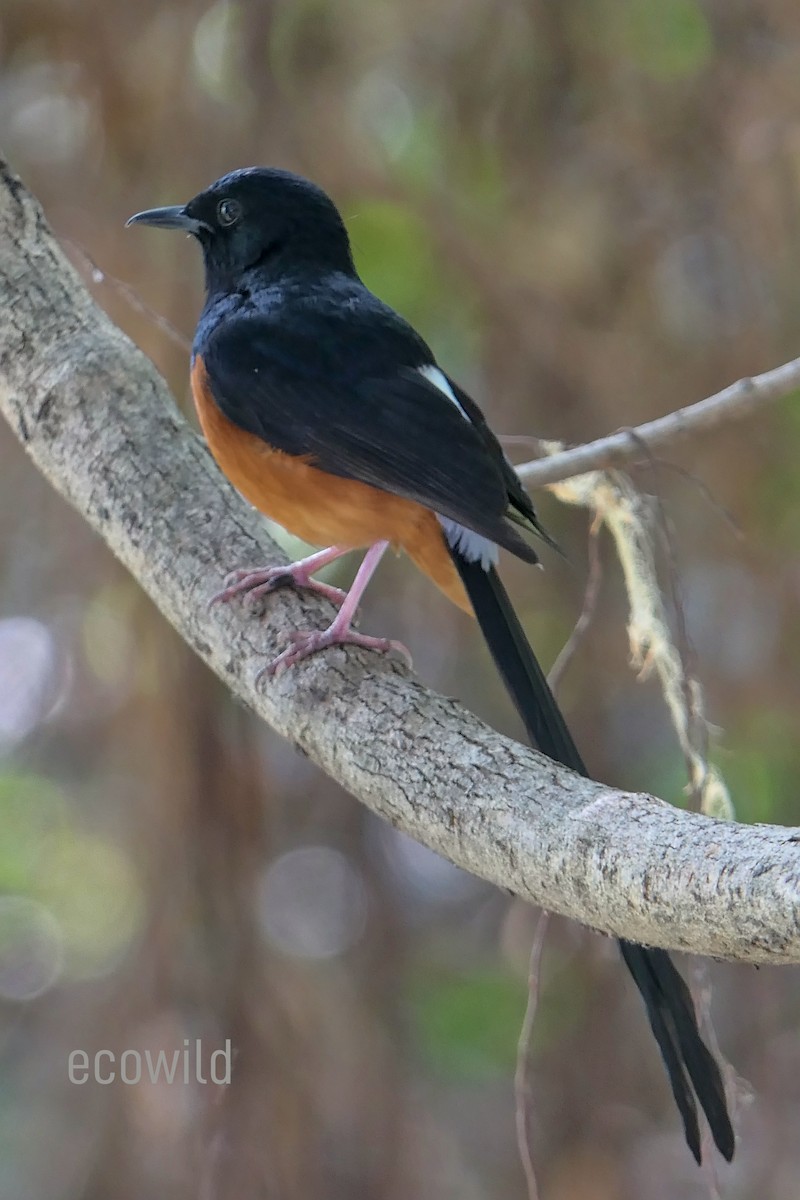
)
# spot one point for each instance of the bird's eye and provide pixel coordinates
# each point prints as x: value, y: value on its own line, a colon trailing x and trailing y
x: 228, y: 212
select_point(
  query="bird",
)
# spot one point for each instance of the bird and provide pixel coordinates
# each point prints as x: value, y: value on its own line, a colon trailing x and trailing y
x: 330, y: 414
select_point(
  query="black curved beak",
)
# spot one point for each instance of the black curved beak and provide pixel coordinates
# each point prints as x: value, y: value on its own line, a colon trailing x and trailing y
x: 174, y: 217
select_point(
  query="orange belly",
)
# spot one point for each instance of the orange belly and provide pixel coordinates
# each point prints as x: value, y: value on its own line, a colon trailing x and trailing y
x: 323, y: 509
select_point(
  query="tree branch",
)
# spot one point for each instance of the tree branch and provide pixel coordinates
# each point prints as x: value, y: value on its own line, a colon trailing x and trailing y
x: 739, y: 400
x: 98, y: 421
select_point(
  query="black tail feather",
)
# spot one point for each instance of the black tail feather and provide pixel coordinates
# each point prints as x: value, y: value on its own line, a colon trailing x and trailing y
x: 670, y: 1011
x: 671, y: 995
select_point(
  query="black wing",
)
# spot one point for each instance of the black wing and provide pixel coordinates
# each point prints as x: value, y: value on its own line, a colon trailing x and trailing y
x: 347, y: 393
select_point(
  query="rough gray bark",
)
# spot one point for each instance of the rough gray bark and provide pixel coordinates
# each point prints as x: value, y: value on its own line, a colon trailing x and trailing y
x: 98, y: 421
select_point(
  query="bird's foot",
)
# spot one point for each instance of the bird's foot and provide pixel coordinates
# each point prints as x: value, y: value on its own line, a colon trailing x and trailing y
x: 304, y: 643
x: 254, y: 583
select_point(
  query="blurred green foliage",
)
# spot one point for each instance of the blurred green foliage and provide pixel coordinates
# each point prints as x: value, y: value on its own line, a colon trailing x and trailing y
x: 33, y: 814
x: 469, y: 1024
x: 670, y: 40
x: 81, y: 880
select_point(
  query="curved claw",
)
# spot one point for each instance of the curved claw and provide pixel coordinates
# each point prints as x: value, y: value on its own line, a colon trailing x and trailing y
x: 257, y: 583
x: 306, y: 642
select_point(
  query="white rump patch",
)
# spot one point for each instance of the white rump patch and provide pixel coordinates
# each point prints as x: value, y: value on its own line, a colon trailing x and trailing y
x: 440, y: 381
x: 473, y: 546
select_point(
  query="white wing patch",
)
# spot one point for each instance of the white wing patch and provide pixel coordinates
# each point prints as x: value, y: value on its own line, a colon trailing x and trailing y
x: 440, y: 381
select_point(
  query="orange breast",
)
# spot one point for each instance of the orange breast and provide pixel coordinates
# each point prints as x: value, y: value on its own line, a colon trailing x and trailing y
x: 322, y: 509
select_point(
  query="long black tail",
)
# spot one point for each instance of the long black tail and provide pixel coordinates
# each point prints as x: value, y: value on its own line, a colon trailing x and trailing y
x: 689, y: 1063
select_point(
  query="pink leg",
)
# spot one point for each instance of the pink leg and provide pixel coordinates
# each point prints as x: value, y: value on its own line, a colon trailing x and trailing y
x: 258, y: 582
x: 340, y: 632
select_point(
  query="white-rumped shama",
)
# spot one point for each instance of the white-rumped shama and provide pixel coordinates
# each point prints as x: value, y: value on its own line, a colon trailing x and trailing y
x: 329, y: 413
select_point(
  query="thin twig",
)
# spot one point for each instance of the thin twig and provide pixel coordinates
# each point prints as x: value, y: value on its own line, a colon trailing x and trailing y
x: 739, y: 400
x: 522, y: 1085
x: 96, y: 275
x: 527, y: 439
x: 705, y: 491
x: 593, y: 579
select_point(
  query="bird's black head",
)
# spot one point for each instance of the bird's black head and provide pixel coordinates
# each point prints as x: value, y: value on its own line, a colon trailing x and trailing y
x: 260, y: 219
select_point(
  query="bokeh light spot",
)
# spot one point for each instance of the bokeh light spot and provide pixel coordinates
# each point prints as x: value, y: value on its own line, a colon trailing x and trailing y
x: 47, y: 115
x: 215, y: 42
x: 312, y: 903
x: 383, y: 110
x: 422, y: 873
x: 27, y: 665
x: 92, y: 887
x: 108, y: 638
x: 31, y: 948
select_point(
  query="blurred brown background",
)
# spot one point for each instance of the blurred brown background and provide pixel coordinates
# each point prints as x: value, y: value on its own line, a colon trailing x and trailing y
x: 591, y: 209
